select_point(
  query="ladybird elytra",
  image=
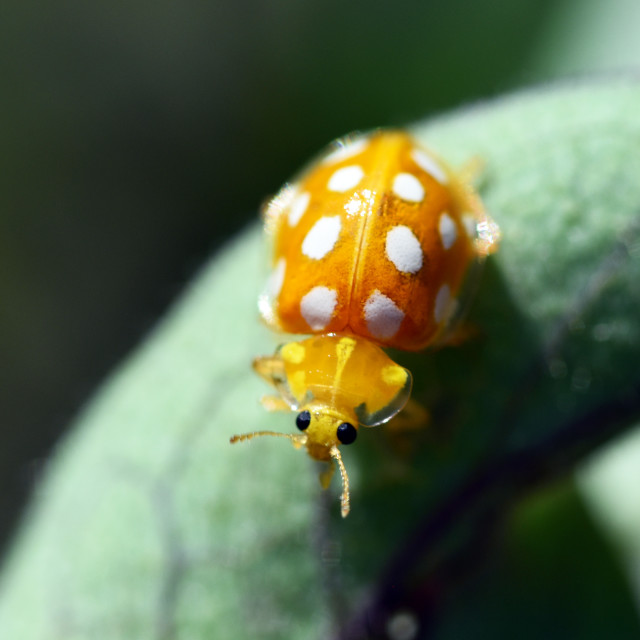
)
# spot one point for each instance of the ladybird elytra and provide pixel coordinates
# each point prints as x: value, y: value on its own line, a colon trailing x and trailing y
x: 373, y: 246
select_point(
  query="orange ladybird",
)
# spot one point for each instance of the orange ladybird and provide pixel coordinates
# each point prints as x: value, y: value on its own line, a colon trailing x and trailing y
x: 375, y: 245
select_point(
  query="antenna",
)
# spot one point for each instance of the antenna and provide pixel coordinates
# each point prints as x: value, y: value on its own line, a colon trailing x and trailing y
x: 344, y: 498
x: 297, y: 439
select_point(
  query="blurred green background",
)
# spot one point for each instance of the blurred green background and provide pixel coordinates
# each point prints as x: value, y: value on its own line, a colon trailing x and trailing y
x: 136, y: 137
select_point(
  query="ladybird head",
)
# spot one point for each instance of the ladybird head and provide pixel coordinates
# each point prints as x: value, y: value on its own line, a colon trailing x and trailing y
x: 325, y: 429
x: 322, y: 430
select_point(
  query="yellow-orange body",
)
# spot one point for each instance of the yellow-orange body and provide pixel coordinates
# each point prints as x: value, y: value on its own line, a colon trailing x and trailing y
x: 373, y: 246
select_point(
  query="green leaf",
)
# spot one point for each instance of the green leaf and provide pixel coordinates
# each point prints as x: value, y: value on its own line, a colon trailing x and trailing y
x: 149, y: 524
x: 550, y: 576
x: 609, y: 485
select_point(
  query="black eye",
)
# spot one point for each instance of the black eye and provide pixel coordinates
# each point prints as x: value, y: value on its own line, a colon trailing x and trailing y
x: 346, y: 433
x: 303, y: 420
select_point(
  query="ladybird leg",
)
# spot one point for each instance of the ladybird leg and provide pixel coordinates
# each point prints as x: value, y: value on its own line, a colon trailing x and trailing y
x: 487, y: 230
x: 460, y: 334
x: 269, y: 368
x: 413, y: 416
x: 489, y: 235
x: 401, y: 430
x: 471, y: 175
x: 274, y: 403
x: 327, y: 474
x: 472, y: 171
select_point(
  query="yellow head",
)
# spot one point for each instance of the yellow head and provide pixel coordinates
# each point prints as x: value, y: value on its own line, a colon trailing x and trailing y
x: 322, y: 430
x: 336, y: 384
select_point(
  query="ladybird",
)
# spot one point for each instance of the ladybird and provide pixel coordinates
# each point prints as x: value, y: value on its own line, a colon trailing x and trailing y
x: 375, y: 245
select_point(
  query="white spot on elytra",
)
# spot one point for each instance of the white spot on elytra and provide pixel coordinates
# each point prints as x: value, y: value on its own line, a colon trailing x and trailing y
x: 317, y: 307
x: 345, y: 178
x: 426, y: 162
x: 408, y: 187
x: 298, y: 207
x: 448, y: 230
x: 403, y: 249
x: 346, y: 149
x: 322, y: 237
x: 444, y: 304
x: 272, y: 290
x: 382, y: 316
x: 275, y: 280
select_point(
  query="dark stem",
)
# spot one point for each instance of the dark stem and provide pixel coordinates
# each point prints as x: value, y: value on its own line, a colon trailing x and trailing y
x: 477, y: 507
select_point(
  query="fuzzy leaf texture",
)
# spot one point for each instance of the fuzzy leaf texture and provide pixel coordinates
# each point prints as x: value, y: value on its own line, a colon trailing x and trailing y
x: 150, y: 525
